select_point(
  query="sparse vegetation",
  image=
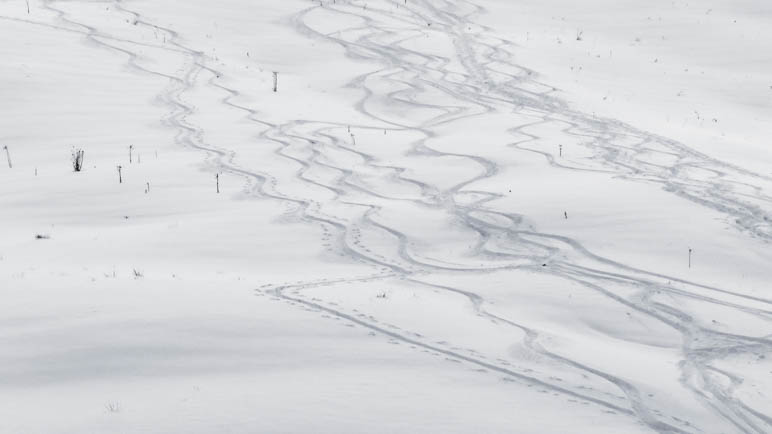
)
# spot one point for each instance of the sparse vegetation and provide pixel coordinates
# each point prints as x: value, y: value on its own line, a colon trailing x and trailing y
x: 77, y: 159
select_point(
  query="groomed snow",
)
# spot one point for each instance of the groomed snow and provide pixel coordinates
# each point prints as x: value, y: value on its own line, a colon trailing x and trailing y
x: 453, y: 216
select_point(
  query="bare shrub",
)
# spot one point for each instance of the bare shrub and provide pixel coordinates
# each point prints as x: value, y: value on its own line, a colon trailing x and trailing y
x: 77, y: 159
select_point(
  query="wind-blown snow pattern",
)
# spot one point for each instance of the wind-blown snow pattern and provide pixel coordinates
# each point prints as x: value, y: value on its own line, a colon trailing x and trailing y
x: 501, y: 258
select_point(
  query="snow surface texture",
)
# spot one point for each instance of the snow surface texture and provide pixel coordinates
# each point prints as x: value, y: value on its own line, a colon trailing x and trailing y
x: 452, y: 216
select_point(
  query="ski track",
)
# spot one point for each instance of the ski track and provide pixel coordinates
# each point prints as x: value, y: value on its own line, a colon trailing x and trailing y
x: 481, y: 89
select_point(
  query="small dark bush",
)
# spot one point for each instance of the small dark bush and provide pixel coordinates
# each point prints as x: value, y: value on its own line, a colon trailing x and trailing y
x: 77, y: 159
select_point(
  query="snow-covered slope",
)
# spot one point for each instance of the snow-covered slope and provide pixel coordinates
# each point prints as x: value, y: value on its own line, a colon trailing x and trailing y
x: 451, y: 216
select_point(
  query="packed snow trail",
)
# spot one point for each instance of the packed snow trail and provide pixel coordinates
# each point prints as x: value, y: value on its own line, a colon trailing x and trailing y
x: 340, y: 176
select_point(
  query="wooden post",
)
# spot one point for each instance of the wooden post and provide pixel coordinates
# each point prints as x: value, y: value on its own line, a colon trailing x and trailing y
x: 8, y: 157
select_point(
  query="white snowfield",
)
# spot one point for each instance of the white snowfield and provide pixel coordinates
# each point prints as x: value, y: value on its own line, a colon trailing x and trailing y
x: 483, y: 216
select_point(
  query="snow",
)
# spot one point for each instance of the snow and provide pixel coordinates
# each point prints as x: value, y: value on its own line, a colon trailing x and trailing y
x: 452, y: 216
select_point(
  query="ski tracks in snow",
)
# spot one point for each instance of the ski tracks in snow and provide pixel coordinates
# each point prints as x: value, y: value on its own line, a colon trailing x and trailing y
x: 329, y: 186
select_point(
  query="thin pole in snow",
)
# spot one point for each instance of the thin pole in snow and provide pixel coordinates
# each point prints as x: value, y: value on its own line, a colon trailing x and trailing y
x: 120, y: 176
x: 131, y: 148
x: 217, y: 178
x: 561, y: 150
x: 690, y: 257
x: 8, y: 157
x: 275, y: 81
